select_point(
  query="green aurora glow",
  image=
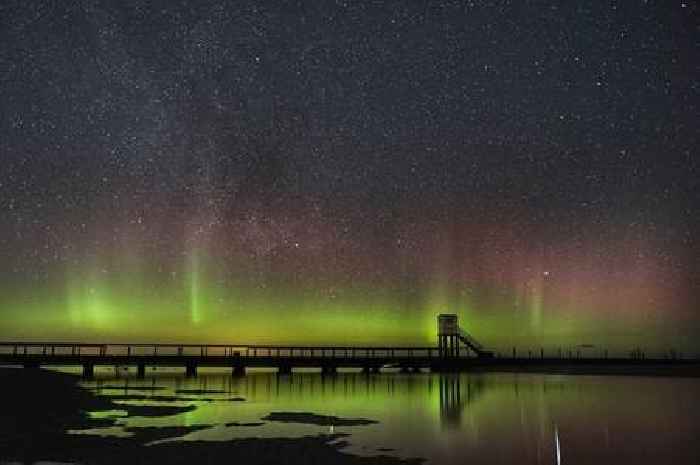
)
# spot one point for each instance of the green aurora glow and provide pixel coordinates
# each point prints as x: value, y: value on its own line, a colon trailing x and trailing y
x: 199, y: 307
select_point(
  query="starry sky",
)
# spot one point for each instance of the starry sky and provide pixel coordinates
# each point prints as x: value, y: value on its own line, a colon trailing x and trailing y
x: 318, y: 172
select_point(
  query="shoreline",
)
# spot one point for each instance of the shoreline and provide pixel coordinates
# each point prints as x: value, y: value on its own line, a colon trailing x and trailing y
x: 37, y: 420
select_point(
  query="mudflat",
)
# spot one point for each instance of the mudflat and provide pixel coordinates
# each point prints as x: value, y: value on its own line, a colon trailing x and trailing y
x: 36, y: 421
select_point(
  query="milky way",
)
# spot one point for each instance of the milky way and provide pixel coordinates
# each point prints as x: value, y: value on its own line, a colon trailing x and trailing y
x: 320, y: 172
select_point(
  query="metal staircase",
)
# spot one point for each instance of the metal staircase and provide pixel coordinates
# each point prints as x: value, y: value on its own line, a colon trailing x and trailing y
x: 450, y: 334
x: 472, y: 343
x: 469, y: 341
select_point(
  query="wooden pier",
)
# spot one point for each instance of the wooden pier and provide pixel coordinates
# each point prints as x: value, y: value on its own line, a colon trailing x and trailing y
x: 328, y: 359
x: 236, y: 357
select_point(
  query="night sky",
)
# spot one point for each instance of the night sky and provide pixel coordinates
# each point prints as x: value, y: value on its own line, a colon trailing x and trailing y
x: 317, y: 172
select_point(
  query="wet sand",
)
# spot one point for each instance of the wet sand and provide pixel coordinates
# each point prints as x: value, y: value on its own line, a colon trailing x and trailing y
x: 36, y: 421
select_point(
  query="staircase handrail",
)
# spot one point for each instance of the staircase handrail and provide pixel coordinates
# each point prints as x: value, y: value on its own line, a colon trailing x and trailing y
x: 467, y: 337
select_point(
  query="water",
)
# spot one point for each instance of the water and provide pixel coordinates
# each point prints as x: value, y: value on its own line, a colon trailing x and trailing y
x: 447, y: 419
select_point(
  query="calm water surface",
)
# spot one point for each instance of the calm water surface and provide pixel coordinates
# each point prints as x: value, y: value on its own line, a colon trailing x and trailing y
x: 447, y: 419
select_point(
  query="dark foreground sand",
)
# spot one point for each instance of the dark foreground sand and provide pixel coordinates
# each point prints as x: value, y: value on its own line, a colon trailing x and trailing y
x: 40, y: 406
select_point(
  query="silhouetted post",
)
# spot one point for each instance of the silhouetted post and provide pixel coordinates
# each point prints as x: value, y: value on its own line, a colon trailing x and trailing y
x: 141, y: 369
x: 514, y: 352
x: 238, y: 366
x: 541, y: 352
x: 238, y: 370
x: 284, y: 369
x: 31, y: 364
x: 329, y: 370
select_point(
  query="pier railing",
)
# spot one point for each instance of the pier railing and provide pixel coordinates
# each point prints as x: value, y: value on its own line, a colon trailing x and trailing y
x: 48, y: 349
x: 239, y: 357
x: 117, y: 350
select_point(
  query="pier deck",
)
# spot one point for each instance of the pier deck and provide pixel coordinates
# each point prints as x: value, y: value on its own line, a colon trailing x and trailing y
x: 284, y: 358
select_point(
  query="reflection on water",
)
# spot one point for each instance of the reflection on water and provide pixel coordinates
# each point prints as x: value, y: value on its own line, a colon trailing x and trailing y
x: 452, y: 418
x: 456, y: 393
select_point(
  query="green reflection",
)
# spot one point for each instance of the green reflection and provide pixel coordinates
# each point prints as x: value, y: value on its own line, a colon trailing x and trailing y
x: 447, y: 418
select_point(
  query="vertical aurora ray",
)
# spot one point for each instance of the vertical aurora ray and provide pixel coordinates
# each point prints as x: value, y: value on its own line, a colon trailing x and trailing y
x: 533, y: 299
x: 89, y: 300
x: 194, y: 288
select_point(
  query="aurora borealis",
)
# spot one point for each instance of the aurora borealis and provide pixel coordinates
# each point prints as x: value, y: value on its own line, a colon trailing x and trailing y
x: 341, y: 173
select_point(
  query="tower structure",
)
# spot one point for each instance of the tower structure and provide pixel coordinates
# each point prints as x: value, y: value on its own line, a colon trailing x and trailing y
x: 448, y: 335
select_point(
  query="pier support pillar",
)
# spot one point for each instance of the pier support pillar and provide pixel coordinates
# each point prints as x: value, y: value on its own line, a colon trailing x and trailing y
x: 442, y: 367
x: 284, y: 370
x: 141, y: 370
x: 405, y: 369
x: 88, y: 370
x: 31, y: 364
x: 191, y: 370
x: 329, y: 370
x: 376, y: 369
x: 238, y: 370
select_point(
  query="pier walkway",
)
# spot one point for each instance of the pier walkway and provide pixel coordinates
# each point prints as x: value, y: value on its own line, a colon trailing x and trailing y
x: 329, y: 359
x: 237, y: 357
